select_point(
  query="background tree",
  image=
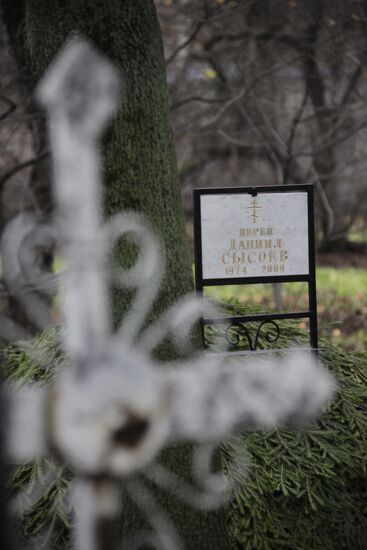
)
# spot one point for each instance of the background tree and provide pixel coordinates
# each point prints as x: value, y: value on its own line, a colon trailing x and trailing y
x: 272, y: 92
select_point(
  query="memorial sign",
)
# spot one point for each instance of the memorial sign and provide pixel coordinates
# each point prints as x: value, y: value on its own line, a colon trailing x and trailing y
x: 246, y: 235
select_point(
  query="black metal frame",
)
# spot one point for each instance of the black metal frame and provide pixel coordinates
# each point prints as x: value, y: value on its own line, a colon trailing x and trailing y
x: 238, y: 323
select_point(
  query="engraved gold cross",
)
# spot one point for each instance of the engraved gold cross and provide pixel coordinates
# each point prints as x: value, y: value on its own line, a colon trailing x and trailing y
x: 254, y: 207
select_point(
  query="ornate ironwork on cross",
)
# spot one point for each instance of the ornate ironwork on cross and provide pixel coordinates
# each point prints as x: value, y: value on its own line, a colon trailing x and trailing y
x: 110, y: 412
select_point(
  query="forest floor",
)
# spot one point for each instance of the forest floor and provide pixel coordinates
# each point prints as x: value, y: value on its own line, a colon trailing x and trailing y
x: 343, y: 259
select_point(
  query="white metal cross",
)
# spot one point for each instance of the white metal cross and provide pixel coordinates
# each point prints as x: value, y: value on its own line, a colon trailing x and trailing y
x: 109, y: 414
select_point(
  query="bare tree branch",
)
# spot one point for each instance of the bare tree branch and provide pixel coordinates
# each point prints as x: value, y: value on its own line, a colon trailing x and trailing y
x: 184, y: 44
x: 199, y: 99
x: 4, y: 178
x: 290, y: 142
x: 11, y: 108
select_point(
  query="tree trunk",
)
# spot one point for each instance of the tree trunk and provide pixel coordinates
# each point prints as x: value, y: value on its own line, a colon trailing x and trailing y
x: 140, y: 173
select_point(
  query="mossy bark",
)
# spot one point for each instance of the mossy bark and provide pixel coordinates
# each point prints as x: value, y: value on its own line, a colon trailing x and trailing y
x: 140, y: 173
x: 139, y: 160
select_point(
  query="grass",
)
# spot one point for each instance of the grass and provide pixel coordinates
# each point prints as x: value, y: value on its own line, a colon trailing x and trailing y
x: 358, y: 233
x: 342, y: 303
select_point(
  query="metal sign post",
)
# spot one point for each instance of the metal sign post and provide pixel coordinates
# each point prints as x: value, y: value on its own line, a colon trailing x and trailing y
x: 252, y: 235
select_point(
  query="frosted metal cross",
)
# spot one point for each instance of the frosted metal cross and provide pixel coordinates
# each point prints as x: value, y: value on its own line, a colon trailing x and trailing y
x: 110, y: 412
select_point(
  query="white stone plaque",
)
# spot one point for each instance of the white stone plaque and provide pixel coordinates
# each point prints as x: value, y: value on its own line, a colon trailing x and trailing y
x: 254, y: 236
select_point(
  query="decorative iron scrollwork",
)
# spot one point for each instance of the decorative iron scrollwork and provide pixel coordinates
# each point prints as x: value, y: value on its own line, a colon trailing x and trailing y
x: 238, y: 330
